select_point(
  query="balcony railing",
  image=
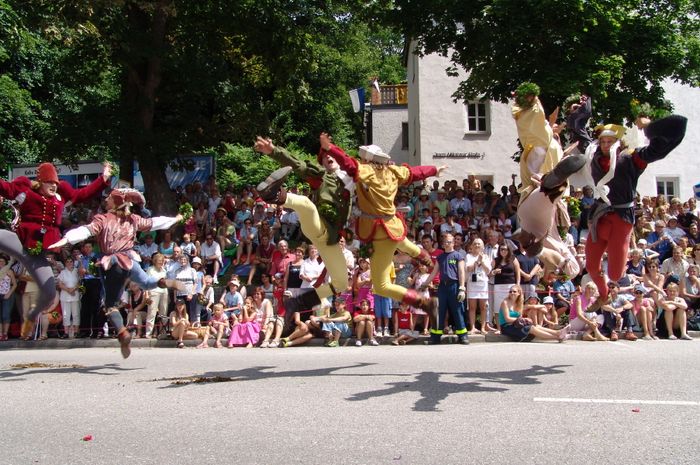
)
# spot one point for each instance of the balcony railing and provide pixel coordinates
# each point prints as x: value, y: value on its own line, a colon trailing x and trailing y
x: 390, y: 95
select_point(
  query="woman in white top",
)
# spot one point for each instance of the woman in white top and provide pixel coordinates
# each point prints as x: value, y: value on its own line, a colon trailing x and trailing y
x: 478, y: 269
x: 159, y: 296
x: 69, y: 282
x: 311, y: 268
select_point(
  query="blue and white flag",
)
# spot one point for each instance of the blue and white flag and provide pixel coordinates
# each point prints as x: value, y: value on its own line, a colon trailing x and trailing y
x: 357, y: 97
x: 696, y: 189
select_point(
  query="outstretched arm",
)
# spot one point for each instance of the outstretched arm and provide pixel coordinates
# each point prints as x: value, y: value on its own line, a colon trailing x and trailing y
x: 576, y: 121
x: 346, y: 163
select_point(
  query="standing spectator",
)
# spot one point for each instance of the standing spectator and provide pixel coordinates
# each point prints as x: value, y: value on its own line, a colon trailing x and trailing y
x: 347, y: 254
x: 159, y: 296
x: 186, y: 275
x: 8, y: 286
x: 68, y: 282
x: 451, y: 292
x: 505, y: 270
x: 420, y: 281
x: 363, y: 283
x: 292, y: 277
x: 137, y: 301
x: 450, y: 226
x: 530, y: 268
x: 212, y: 257
x: 460, y: 204
x: 478, y: 267
x: 280, y: 259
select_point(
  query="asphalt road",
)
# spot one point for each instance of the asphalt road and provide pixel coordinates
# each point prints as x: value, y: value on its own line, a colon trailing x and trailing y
x: 501, y: 403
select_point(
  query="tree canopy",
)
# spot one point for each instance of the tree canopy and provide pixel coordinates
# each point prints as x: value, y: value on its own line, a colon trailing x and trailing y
x: 614, y: 51
x: 149, y: 80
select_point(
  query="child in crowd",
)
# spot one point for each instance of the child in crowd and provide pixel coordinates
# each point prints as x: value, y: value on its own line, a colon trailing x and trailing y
x: 419, y: 282
x: 232, y: 300
x: 382, y: 311
x: 217, y: 327
x: 247, y: 331
x: 403, y: 326
x: 363, y: 282
x: 363, y: 320
x: 336, y: 325
x: 534, y: 310
x: 187, y: 246
x: 551, y: 317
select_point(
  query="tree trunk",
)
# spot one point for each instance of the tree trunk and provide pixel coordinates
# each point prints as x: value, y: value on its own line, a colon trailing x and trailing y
x: 141, y: 81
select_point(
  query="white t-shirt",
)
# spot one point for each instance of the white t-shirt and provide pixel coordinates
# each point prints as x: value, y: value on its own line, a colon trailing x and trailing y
x: 312, y: 269
x: 69, y: 279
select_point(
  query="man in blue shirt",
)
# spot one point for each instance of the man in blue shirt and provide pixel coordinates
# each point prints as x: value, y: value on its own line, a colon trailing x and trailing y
x: 451, y: 291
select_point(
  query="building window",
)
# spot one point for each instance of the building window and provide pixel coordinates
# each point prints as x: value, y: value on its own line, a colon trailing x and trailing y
x: 477, y: 117
x: 404, y: 136
x: 668, y: 187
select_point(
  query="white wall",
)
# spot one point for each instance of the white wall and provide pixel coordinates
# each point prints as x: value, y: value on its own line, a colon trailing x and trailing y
x: 443, y: 127
x: 386, y: 131
x: 684, y: 162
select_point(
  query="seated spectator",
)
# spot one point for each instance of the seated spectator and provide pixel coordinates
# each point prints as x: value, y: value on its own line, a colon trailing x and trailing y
x: 273, y: 321
x: 363, y: 321
x: 690, y: 288
x: 232, y: 300
x: 674, y: 313
x: 167, y: 245
x: 262, y: 260
x: 8, y: 286
x: 673, y: 229
x: 225, y: 230
x: 581, y: 319
x: 404, y: 328
x: 659, y: 241
x: 674, y: 268
x: 521, y: 329
x: 694, y: 258
x: 534, y: 310
x: 180, y: 327
x: 247, y: 331
x: 337, y: 324
x: 635, y: 265
x: 617, y: 315
x: 289, y: 225
x: 693, y: 234
x: 645, y: 312
x: 563, y: 289
x: 646, y: 253
x: 304, y: 331
x: 218, y: 326
x: 212, y: 257
x: 188, y: 247
x: 146, y: 251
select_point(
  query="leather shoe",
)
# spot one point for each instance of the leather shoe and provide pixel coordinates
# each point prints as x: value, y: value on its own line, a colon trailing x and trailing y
x: 271, y: 190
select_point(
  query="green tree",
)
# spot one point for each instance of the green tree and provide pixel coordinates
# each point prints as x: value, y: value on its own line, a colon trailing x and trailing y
x: 614, y: 51
x: 150, y: 80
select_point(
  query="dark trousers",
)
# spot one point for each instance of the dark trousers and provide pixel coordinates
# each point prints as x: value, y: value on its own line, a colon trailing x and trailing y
x: 610, y: 322
x: 447, y: 302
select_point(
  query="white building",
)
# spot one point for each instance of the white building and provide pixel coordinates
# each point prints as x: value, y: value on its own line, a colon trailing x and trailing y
x: 480, y: 137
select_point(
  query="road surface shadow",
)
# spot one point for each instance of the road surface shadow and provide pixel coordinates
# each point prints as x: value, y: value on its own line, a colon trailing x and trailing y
x: 433, y: 389
x: 22, y: 371
x: 259, y: 373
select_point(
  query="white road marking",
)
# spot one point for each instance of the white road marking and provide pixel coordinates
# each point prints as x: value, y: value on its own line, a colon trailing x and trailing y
x: 684, y: 403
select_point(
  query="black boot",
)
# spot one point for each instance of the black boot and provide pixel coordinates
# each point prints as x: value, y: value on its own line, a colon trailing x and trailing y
x: 558, y: 176
x: 299, y: 300
x: 271, y: 190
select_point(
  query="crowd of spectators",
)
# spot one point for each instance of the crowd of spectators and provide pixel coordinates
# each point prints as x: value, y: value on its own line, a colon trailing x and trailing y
x: 237, y: 256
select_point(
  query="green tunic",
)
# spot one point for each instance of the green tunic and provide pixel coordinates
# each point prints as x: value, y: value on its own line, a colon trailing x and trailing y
x: 332, y: 199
